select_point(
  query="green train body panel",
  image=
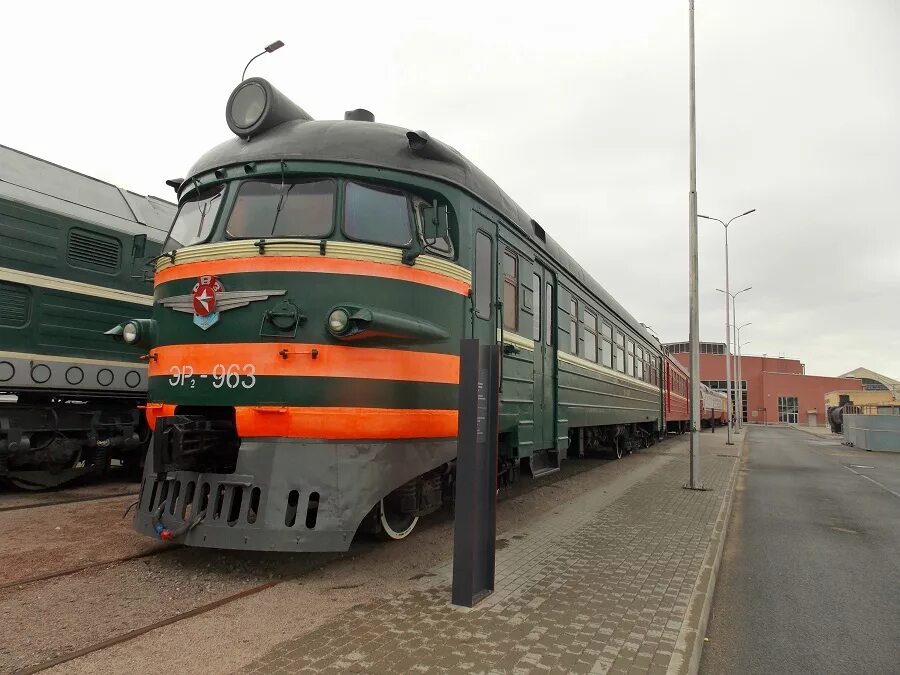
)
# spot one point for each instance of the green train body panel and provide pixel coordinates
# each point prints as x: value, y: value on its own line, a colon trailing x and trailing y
x: 73, y: 257
x: 573, y: 396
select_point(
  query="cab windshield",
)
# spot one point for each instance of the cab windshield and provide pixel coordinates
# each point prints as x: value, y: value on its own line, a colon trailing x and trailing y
x: 275, y: 209
x: 195, y: 219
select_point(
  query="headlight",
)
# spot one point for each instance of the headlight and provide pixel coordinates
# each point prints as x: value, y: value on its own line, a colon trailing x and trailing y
x: 247, y: 105
x: 338, y: 321
x: 131, y: 333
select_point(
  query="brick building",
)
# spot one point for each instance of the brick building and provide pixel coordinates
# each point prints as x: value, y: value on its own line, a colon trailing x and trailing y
x: 773, y: 389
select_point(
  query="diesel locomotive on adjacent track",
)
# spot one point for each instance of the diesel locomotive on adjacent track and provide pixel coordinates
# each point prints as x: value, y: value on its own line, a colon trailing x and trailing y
x: 303, y: 348
x: 72, y: 250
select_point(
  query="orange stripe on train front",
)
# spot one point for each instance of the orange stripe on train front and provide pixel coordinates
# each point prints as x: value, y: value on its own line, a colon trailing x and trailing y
x: 292, y: 359
x: 322, y: 265
x: 345, y: 423
x: 332, y: 423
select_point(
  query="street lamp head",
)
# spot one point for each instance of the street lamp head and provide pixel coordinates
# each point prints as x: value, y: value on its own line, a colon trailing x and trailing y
x: 746, y: 213
x: 275, y: 46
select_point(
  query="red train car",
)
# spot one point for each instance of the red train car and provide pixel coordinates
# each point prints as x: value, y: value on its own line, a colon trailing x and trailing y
x: 676, y: 396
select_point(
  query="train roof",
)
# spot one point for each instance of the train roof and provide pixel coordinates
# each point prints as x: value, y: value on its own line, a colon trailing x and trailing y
x: 50, y: 187
x: 386, y: 146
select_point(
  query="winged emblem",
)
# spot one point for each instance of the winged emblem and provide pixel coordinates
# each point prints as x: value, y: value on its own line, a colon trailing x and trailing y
x: 209, y: 298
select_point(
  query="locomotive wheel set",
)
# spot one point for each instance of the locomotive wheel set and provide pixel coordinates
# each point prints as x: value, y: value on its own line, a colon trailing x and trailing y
x: 71, y: 255
x: 303, y: 348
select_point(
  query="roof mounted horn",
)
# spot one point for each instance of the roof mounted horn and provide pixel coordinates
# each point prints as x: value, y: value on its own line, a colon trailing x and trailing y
x: 256, y: 106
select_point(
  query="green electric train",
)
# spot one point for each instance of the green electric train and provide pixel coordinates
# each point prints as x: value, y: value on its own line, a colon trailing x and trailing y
x: 73, y: 251
x: 303, y: 348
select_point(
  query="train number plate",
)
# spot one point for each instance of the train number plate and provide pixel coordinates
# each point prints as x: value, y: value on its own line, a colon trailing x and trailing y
x: 229, y: 376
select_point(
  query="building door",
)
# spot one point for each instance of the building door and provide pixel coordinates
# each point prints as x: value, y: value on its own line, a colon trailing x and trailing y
x: 788, y: 410
x: 543, y: 284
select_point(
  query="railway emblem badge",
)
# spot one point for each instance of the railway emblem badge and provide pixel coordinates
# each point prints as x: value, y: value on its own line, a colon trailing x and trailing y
x: 204, y: 295
x: 208, y: 299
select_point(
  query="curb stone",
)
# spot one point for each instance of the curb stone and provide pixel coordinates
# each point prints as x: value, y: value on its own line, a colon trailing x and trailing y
x: 689, y: 645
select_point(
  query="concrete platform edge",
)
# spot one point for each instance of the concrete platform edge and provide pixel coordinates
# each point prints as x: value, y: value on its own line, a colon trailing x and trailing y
x: 689, y: 645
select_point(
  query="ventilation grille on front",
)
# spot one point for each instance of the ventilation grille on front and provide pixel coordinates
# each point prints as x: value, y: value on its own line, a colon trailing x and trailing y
x: 15, y: 301
x: 93, y: 251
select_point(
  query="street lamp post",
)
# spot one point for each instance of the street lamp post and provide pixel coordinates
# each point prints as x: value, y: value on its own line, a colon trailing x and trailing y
x: 739, y: 392
x: 740, y: 363
x: 727, y: 317
x: 694, y: 287
x: 741, y: 346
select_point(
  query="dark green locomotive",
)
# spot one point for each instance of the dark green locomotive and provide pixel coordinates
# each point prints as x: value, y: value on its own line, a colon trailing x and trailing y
x: 304, y: 345
x: 72, y: 252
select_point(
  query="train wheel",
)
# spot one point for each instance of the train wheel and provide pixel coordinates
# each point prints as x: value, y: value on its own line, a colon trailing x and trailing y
x: 394, y: 524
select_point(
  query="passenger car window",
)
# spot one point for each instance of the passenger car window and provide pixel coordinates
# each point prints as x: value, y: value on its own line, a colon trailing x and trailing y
x: 510, y: 291
x: 606, y: 345
x: 620, y: 352
x: 590, y: 336
x: 377, y: 215
x: 573, y: 326
x: 536, y: 317
x: 270, y: 208
x: 483, y: 275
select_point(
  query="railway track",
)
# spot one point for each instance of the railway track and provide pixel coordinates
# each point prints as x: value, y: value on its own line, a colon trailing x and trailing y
x: 137, y: 632
x: 87, y: 566
x: 73, y: 500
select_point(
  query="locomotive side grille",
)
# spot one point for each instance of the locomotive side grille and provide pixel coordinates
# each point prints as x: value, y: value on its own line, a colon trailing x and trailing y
x: 93, y: 251
x: 15, y: 301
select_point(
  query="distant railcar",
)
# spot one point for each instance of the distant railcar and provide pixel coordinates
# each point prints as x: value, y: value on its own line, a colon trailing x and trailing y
x: 713, y: 407
x: 72, y: 250
x: 304, y: 343
x: 677, y: 393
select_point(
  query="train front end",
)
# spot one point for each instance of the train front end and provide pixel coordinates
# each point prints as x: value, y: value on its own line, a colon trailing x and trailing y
x: 303, y: 350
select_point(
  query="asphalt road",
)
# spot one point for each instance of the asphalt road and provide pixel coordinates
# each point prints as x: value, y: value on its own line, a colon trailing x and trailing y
x: 810, y: 578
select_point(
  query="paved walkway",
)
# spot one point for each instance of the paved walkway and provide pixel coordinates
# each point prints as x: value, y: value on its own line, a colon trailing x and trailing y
x: 615, y: 581
x: 825, y: 432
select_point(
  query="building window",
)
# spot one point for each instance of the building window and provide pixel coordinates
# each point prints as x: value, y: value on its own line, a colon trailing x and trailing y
x: 590, y: 336
x: 620, y: 352
x: 536, y: 317
x: 606, y: 345
x: 510, y: 291
x: 483, y: 277
x: 573, y: 326
x: 788, y: 409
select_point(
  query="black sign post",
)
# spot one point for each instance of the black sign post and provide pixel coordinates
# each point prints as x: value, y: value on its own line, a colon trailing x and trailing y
x: 475, y: 528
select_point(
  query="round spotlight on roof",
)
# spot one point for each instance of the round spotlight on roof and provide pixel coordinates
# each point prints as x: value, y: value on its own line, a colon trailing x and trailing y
x: 256, y: 106
x: 248, y: 103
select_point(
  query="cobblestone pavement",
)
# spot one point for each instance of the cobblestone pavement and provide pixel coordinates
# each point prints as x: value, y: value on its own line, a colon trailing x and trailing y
x: 603, y: 584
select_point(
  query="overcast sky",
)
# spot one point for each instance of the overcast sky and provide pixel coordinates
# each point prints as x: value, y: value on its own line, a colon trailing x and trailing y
x: 578, y: 110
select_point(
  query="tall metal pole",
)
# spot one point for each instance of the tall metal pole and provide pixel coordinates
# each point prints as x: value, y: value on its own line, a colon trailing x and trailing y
x: 728, y: 343
x: 737, y: 378
x: 694, y: 483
